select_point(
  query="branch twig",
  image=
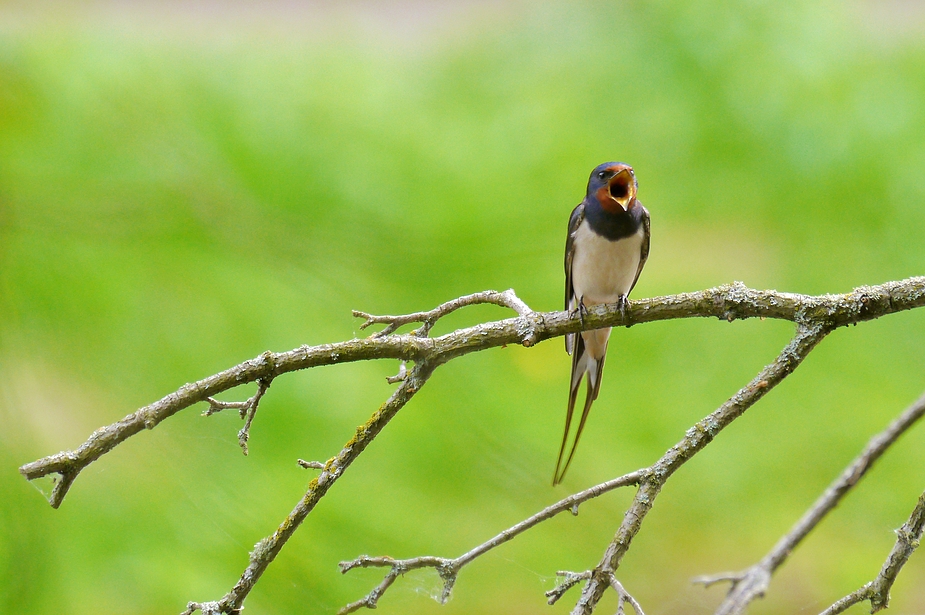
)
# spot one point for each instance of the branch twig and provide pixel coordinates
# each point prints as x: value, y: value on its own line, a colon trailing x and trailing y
x: 624, y: 596
x: 908, y: 538
x: 246, y: 409
x: 751, y: 583
x: 429, y: 318
x: 449, y: 568
x: 444, y: 567
x: 571, y: 579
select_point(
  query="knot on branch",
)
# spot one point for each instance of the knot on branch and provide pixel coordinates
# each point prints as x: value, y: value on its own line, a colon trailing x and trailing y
x: 735, y: 301
x: 261, y: 550
x: 908, y: 538
x: 862, y: 303
x: 528, y: 327
x: 869, y: 301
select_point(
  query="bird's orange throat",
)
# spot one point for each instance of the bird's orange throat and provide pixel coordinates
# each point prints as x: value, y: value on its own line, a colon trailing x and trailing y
x: 619, y: 195
x: 610, y: 204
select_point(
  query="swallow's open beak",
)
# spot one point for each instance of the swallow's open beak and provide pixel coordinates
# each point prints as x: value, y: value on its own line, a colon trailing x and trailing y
x: 622, y: 188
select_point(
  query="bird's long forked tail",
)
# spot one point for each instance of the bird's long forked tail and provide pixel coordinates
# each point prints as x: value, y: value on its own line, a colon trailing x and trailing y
x: 580, y: 369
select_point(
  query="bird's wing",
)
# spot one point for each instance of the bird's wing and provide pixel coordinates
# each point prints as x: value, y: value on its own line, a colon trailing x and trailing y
x: 574, y: 221
x: 644, y: 249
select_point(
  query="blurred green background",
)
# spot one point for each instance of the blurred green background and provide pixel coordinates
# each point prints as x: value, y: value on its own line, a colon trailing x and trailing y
x: 185, y: 185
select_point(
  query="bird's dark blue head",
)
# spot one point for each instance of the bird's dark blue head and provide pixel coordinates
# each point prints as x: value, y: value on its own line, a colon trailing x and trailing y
x: 613, y: 185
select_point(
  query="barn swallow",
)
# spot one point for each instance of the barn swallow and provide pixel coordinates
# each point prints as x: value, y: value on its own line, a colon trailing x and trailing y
x: 606, y: 249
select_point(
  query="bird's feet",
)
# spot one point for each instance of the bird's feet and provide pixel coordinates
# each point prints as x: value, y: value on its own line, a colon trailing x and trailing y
x: 622, y: 304
x: 582, y: 311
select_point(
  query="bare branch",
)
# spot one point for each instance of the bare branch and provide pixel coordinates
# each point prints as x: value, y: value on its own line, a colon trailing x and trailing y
x: 908, y: 538
x: 570, y: 503
x: 694, y: 441
x: 753, y: 582
x: 815, y: 317
x: 729, y: 302
x: 449, y: 568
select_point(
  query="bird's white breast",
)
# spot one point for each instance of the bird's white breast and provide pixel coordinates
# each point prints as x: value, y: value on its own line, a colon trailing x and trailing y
x: 604, y: 270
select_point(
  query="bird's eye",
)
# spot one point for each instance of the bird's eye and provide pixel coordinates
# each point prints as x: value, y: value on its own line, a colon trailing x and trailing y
x: 602, y: 174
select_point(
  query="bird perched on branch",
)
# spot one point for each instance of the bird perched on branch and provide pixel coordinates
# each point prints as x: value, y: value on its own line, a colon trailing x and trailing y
x: 606, y: 249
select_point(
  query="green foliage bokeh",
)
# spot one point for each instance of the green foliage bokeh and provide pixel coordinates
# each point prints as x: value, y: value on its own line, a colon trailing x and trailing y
x: 182, y: 189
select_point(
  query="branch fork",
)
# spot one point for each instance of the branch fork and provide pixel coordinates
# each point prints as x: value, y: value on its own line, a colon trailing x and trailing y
x: 571, y: 579
x: 246, y: 410
x: 446, y: 568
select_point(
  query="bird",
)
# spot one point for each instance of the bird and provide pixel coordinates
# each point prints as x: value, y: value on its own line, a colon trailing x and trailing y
x: 605, y: 251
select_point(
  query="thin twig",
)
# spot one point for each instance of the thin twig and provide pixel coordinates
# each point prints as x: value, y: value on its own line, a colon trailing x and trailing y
x: 246, y: 409
x: 751, y: 583
x: 429, y: 318
x: 624, y: 596
x: 401, y: 375
x: 449, y: 568
x: 908, y: 538
x: 569, y: 580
